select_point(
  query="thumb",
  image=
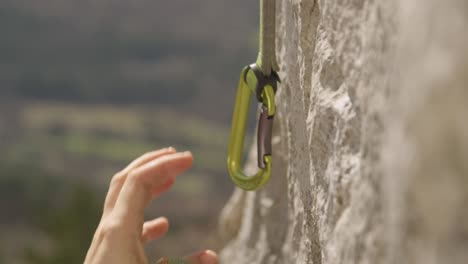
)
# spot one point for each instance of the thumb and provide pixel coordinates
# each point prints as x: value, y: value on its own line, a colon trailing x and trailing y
x: 203, y: 257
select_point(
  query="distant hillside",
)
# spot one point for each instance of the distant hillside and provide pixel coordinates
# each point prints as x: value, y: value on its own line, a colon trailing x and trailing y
x: 182, y: 52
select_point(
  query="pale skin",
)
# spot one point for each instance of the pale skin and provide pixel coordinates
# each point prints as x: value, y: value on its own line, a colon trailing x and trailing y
x: 122, y: 231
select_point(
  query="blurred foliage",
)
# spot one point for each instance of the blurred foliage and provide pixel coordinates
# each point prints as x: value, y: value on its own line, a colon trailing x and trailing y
x: 69, y: 227
x: 64, y: 214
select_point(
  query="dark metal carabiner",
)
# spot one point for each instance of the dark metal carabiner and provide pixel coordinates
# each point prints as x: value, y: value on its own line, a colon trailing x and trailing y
x: 264, y: 134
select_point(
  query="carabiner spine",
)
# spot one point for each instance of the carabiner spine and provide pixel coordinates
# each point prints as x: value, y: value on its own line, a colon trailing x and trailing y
x: 239, y: 123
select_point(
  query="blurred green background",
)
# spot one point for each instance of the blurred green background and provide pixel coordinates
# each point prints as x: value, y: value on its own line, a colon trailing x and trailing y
x: 85, y: 87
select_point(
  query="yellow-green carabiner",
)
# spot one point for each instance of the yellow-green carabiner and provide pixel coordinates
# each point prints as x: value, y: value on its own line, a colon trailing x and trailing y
x: 252, y: 81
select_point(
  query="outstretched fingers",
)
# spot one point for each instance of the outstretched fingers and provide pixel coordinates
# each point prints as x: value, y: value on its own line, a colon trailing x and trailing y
x: 118, y: 180
x: 154, y: 229
x: 143, y: 182
x: 158, y: 190
x: 202, y: 257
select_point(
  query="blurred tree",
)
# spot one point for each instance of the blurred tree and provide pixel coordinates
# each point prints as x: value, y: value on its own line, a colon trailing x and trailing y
x: 2, y: 257
x: 69, y: 226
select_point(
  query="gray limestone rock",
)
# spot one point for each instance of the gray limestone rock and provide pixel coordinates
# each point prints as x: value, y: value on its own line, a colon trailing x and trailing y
x: 370, y: 140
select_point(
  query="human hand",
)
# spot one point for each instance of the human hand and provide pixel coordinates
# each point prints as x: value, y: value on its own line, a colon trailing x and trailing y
x: 122, y: 231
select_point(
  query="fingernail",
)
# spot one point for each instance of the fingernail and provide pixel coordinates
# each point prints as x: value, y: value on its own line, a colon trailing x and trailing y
x: 171, y: 148
x: 208, y: 257
x: 187, y: 153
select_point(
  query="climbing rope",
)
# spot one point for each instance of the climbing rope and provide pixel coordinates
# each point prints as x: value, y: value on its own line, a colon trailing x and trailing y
x: 260, y: 78
x: 266, y: 59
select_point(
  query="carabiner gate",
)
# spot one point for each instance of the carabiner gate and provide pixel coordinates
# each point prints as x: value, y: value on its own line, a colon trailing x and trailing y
x: 252, y: 80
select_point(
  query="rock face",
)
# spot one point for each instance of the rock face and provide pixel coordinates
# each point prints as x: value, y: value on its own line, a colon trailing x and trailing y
x: 370, y: 142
